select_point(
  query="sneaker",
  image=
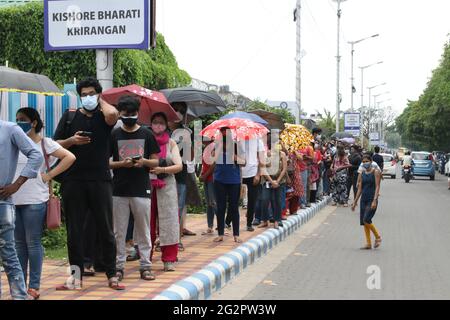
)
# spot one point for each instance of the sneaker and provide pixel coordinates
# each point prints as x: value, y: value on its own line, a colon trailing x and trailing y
x: 169, y: 267
x: 250, y: 228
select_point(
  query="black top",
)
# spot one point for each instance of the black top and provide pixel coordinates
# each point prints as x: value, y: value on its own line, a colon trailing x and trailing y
x: 355, y: 160
x: 132, y: 182
x: 181, y: 176
x: 379, y: 160
x: 92, y: 163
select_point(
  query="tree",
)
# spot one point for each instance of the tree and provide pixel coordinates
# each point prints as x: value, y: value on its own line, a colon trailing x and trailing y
x: 22, y: 44
x: 328, y: 123
x: 425, y: 123
x: 285, y: 114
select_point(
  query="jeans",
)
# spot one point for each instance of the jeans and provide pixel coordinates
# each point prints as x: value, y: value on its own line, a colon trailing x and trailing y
x: 181, y: 191
x: 28, y: 233
x: 94, y: 198
x: 271, y: 197
x: 326, y: 182
x: 304, y: 175
x: 227, y: 195
x: 8, y: 253
x: 283, y: 196
x: 252, y: 197
x: 211, y: 205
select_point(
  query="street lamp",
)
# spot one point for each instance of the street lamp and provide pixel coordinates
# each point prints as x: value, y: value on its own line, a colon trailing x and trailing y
x: 370, y: 110
x: 338, y: 60
x: 352, y: 43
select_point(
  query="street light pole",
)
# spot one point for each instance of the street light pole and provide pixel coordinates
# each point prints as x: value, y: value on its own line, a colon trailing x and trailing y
x: 298, y: 58
x: 370, y: 110
x: 338, y: 60
x: 362, y: 97
x: 352, y: 43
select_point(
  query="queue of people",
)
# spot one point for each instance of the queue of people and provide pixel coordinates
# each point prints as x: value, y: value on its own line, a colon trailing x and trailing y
x: 122, y: 183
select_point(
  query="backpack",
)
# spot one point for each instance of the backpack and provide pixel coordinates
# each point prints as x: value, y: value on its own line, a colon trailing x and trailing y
x: 67, y: 126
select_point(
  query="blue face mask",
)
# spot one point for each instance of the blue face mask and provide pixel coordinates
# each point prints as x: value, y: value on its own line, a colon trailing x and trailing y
x: 367, y: 165
x: 90, y: 103
x: 26, y: 126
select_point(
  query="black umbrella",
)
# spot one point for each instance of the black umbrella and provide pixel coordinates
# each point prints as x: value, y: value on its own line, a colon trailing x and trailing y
x: 275, y: 121
x: 19, y: 81
x: 341, y: 135
x: 199, y: 102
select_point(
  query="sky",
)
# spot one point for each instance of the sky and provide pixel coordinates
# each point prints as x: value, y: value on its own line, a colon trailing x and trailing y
x: 250, y: 45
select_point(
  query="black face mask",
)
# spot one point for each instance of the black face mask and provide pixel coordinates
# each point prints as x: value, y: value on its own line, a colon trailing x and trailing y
x: 129, y: 121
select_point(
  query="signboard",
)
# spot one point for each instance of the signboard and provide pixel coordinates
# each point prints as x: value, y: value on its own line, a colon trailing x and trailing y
x: 374, y: 138
x: 352, y: 123
x: 99, y: 24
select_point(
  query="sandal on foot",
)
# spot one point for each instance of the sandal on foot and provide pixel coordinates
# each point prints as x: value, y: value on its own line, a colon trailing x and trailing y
x: 207, y: 232
x: 34, y: 293
x: 169, y: 267
x: 377, y: 243
x: 119, y: 274
x: 70, y: 285
x: 180, y: 247
x: 89, y: 272
x: 237, y: 240
x: 366, y: 247
x: 114, y: 284
x: 263, y: 225
x: 218, y: 239
x: 146, y: 274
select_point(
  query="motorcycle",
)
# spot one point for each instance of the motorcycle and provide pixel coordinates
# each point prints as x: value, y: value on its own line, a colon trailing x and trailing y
x: 407, y: 175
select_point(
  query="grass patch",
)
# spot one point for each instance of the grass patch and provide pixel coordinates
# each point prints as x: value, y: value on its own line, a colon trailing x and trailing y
x: 56, y: 253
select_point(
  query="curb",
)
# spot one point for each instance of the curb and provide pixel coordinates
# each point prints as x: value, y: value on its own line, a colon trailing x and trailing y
x: 218, y: 273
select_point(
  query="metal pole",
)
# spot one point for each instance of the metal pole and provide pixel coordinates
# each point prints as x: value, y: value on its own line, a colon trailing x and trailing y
x: 105, y: 67
x: 338, y: 60
x: 362, y: 107
x: 299, y: 62
x: 353, y: 79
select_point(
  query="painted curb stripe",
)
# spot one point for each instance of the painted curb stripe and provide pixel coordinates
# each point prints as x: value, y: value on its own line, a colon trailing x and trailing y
x: 216, y: 274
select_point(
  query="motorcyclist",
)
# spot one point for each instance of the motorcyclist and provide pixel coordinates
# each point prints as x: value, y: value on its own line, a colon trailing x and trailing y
x: 407, y: 162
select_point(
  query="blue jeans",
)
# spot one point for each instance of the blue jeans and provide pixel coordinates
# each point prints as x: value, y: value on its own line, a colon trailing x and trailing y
x: 28, y: 233
x: 283, y: 196
x: 211, y: 206
x: 181, y: 190
x: 304, y: 175
x: 8, y: 253
x: 272, y: 197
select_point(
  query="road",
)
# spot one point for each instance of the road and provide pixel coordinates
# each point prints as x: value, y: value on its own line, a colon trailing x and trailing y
x: 322, y: 260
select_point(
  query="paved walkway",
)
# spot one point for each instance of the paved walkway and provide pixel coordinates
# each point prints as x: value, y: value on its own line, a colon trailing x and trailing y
x: 199, y: 251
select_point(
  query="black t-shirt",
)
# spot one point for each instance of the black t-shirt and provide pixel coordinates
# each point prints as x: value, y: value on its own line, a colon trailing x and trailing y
x: 181, y: 176
x: 132, y: 182
x: 92, y: 163
x: 355, y: 160
x: 379, y: 160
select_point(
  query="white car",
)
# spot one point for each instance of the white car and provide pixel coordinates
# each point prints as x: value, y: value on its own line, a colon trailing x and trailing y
x: 390, y: 165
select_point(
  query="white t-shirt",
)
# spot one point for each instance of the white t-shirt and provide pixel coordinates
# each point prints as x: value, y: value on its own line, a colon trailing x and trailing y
x: 251, y: 147
x: 407, y: 161
x: 374, y: 165
x: 34, y: 191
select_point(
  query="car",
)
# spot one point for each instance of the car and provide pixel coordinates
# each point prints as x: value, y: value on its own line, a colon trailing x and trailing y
x: 423, y: 165
x: 390, y: 165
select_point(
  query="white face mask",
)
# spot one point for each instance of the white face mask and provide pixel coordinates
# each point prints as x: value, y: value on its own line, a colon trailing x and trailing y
x: 90, y: 103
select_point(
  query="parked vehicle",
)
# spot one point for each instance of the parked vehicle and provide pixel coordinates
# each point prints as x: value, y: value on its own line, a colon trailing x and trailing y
x: 390, y: 165
x: 423, y: 164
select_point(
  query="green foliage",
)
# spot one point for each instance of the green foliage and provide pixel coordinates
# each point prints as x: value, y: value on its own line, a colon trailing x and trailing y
x: 55, y: 239
x: 328, y: 124
x: 285, y: 114
x: 22, y: 44
x: 425, y: 124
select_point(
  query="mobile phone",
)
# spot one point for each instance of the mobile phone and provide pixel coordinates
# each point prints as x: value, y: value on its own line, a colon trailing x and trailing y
x: 86, y: 134
x: 136, y: 158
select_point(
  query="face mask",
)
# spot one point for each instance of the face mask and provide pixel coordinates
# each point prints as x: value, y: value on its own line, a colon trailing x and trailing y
x: 367, y: 165
x: 26, y: 126
x: 158, y: 128
x: 90, y: 103
x: 129, y: 121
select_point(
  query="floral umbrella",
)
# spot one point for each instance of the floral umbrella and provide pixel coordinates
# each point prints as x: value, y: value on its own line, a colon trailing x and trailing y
x: 295, y: 137
x: 241, y: 129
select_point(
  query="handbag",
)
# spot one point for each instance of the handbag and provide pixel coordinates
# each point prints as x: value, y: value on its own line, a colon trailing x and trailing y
x: 53, y: 204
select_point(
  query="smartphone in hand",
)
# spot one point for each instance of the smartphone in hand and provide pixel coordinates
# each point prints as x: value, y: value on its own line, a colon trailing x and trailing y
x: 86, y: 134
x: 136, y: 158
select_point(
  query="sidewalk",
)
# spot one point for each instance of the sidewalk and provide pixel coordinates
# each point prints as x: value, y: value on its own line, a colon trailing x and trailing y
x: 200, y: 250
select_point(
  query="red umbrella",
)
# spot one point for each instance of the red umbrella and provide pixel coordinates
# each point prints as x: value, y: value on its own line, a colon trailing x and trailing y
x: 241, y: 129
x: 151, y: 102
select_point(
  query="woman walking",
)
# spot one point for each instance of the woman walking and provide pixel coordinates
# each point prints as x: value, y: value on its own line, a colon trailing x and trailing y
x: 368, y: 191
x: 164, y: 219
x: 339, y: 183
x: 31, y: 199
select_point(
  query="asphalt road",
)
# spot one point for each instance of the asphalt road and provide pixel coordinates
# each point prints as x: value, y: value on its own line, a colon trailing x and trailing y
x: 323, y: 259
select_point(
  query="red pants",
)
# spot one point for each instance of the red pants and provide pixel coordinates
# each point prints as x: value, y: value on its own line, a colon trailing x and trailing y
x: 168, y: 253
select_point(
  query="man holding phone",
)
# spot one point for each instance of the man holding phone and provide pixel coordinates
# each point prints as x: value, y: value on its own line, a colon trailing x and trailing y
x: 134, y: 151
x: 86, y: 187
